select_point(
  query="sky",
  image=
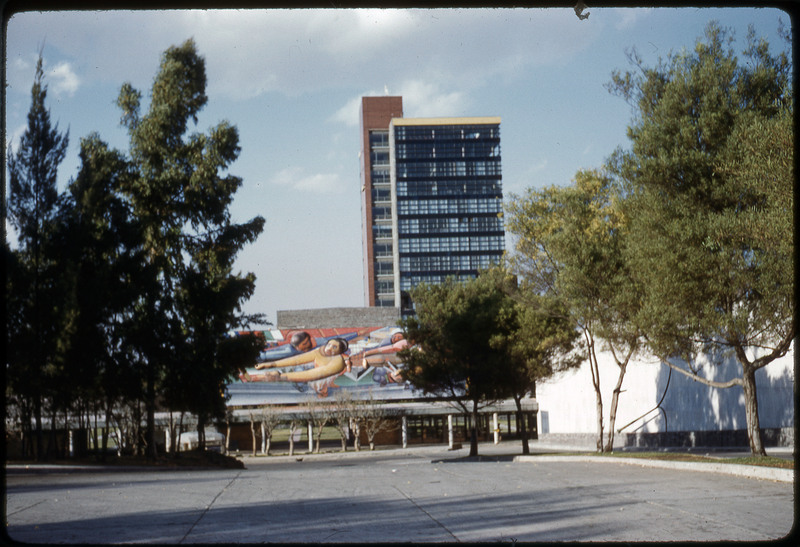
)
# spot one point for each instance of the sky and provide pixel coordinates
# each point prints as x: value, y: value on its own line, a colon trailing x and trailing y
x: 291, y: 81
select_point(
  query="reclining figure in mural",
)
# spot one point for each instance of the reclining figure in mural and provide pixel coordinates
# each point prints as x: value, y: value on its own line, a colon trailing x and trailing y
x: 384, y: 359
x: 328, y: 362
x: 320, y: 362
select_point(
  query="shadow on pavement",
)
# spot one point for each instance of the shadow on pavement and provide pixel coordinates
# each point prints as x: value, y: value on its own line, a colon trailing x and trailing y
x: 338, y: 519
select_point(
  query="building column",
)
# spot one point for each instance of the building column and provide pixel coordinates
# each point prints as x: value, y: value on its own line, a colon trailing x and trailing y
x: 404, y: 424
x: 450, y: 431
x: 496, y: 428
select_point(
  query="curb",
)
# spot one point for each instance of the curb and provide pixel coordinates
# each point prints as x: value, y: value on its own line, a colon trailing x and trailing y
x: 751, y: 471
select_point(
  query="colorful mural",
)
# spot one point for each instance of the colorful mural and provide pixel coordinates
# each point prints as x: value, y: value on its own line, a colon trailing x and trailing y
x: 297, y: 363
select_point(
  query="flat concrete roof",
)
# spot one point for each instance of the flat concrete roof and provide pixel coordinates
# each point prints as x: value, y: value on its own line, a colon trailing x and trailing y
x: 411, y: 408
x: 478, y: 120
x: 331, y: 318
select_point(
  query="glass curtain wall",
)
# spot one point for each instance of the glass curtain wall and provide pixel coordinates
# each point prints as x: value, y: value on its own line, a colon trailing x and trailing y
x: 449, y: 201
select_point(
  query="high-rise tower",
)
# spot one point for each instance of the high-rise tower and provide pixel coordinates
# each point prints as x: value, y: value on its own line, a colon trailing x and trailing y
x: 376, y: 201
x: 443, y: 215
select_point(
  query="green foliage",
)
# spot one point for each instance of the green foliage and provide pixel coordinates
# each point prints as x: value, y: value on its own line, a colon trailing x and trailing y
x: 570, y: 255
x: 569, y: 246
x: 32, y: 170
x: 482, y: 340
x: 461, y: 336
x: 709, y: 178
x: 123, y: 290
x: 460, y: 331
x: 35, y: 308
x: 545, y: 342
x: 107, y: 270
x: 710, y: 173
x: 180, y: 193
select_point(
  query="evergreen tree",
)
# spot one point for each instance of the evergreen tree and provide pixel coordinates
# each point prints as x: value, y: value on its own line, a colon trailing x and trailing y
x: 461, y: 334
x: 181, y: 196
x: 32, y: 283
x: 107, y: 270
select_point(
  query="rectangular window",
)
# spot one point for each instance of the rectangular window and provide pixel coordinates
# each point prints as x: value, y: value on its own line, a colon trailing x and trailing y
x: 378, y: 139
x: 382, y: 230
x: 379, y: 158
x: 381, y: 213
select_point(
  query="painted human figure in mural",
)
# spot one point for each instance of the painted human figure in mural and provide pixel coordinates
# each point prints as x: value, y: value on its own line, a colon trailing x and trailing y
x: 299, y: 342
x: 327, y: 362
x: 384, y: 359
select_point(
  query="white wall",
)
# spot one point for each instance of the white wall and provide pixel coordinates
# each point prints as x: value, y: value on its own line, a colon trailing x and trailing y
x: 567, y: 403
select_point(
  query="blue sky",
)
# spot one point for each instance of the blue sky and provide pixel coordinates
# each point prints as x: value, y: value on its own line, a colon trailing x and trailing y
x: 291, y: 81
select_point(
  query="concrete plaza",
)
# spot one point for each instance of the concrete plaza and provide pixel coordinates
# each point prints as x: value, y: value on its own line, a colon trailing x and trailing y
x: 419, y: 494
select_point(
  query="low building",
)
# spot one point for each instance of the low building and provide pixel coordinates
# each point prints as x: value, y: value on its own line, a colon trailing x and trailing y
x: 369, y: 375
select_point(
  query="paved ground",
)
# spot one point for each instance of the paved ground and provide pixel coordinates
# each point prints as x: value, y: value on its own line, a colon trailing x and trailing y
x: 416, y: 495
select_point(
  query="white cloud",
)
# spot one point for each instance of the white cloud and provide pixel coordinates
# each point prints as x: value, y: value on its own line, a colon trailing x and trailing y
x: 349, y: 113
x: 297, y: 51
x: 627, y: 17
x: 540, y: 165
x: 422, y: 99
x: 318, y: 183
x: 13, y: 137
x: 21, y: 64
x: 63, y: 80
x: 355, y: 29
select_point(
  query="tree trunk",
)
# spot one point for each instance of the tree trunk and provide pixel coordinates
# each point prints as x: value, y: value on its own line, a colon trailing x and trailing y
x: 473, y: 441
x: 37, y: 415
x: 612, y: 419
x: 292, y: 430
x: 52, y: 447
x: 106, y: 431
x: 151, y: 412
x: 180, y: 432
x: 751, y: 411
x: 522, y: 426
x: 595, y: 369
x: 357, y: 439
x: 252, y: 434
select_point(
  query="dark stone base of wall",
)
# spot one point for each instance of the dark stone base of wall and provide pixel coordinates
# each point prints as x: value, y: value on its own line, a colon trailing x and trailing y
x: 733, y: 439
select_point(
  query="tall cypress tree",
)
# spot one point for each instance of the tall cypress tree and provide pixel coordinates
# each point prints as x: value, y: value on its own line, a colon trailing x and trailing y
x: 33, y: 207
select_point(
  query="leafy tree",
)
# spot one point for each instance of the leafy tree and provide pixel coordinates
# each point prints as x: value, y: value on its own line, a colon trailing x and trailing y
x: 181, y: 195
x: 542, y: 346
x: 709, y: 177
x: 569, y: 252
x: 33, y: 204
x: 460, y: 333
